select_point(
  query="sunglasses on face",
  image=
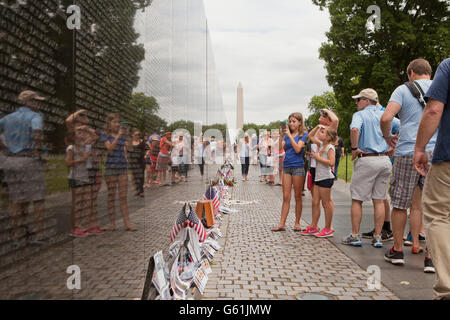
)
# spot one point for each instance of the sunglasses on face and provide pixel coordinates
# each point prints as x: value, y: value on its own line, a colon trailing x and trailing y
x: 359, y: 99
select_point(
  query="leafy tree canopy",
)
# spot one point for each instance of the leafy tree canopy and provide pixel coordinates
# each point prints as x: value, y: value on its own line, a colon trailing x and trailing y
x: 358, y: 57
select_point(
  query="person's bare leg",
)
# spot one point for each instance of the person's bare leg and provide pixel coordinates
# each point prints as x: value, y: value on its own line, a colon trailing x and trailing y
x: 379, y: 214
x: 73, y: 209
x: 387, y: 211
x: 5, y: 199
x: 95, y: 190
x: 16, y: 215
x: 356, y: 213
x: 298, y: 184
x: 123, y: 194
x: 416, y: 216
x: 90, y: 206
x: 112, y: 182
x: 328, y: 204
x: 164, y: 177
x: 315, y: 207
x: 287, y: 189
x: 398, y: 220
x: 39, y: 209
x: 173, y: 177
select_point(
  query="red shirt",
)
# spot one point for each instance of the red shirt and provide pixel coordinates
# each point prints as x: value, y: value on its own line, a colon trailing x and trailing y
x: 164, y: 146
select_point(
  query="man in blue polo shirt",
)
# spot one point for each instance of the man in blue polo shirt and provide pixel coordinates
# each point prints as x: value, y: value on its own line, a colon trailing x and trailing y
x: 24, y: 170
x: 372, y: 167
x: 436, y: 200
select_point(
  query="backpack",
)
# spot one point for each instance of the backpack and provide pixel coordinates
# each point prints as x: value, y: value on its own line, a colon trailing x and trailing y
x: 416, y: 91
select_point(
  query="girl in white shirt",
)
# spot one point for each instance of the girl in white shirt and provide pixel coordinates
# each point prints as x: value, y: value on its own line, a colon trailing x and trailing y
x: 324, y: 180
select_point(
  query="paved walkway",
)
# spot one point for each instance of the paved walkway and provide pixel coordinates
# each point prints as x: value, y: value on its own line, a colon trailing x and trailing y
x: 254, y: 262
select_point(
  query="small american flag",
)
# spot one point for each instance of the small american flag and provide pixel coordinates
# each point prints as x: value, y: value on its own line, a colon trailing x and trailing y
x: 211, y: 194
x: 180, y: 224
x: 195, y: 224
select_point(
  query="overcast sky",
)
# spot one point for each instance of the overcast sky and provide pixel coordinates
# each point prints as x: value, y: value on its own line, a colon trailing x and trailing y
x: 272, y: 48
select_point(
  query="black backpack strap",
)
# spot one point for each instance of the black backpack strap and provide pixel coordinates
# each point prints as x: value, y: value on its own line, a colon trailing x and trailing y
x: 416, y: 91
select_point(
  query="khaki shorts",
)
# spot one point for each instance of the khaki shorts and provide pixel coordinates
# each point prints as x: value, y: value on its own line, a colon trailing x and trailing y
x: 370, y: 178
x: 26, y: 179
x: 404, y: 180
x: 436, y: 219
x: 435, y: 197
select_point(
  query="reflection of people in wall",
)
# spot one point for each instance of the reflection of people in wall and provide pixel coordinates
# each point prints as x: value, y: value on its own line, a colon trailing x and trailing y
x: 24, y: 166
x: 116, y: 172
x: 162, y: 164
x: 82, y: 157
x: 213, y: 148
x: 137, y: 151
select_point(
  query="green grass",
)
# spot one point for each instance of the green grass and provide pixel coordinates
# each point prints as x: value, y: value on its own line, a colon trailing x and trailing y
x: 341, y: 172
x: 56, y: 175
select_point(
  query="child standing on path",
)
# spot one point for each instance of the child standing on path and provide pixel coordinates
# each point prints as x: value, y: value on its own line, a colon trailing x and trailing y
x: 82, y: 158
x: 324, y: 179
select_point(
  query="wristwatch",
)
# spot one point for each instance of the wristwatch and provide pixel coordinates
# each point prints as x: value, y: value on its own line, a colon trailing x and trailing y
x: 353, y: 149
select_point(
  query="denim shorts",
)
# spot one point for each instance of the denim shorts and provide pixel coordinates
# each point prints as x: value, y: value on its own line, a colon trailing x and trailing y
x: 294, y: 171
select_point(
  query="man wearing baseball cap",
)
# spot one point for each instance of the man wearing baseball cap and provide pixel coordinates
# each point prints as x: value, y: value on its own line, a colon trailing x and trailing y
x: 24, y: 167
x: 372, y: 167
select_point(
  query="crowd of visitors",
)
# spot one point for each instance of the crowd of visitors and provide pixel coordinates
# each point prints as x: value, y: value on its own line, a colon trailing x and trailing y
x: 402, y: 150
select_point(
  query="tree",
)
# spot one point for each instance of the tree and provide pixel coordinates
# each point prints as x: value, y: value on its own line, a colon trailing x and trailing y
x: 182, y: 124
x: 156, y: 124
x: 248, y: 126
x: 145, y: 109
x: 358, y: 58
x: 219, y: 126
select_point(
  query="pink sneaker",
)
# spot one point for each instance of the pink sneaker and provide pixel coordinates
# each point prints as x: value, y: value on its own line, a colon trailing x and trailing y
x: 310, y: 231
x: 94, y: 231
x: 325, y: 233
x: 78, y: 233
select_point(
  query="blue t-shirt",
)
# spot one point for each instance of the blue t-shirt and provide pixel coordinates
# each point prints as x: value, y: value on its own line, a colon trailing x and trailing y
x: 18, y: 128
x: 440, y: 91
x: 410, y: 115
x: 367, y: 121
x: 115, y: 159
x: 293, y: 159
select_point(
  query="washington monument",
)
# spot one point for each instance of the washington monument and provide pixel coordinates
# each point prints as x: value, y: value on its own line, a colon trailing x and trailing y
x: 240, y: 108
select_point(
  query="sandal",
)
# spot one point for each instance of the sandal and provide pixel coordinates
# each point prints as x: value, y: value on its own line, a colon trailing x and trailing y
x: 416, y: 250
x: 110, y: 228
x: 277, y: 229
x: 297, y: 229
x: 130, y: 228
